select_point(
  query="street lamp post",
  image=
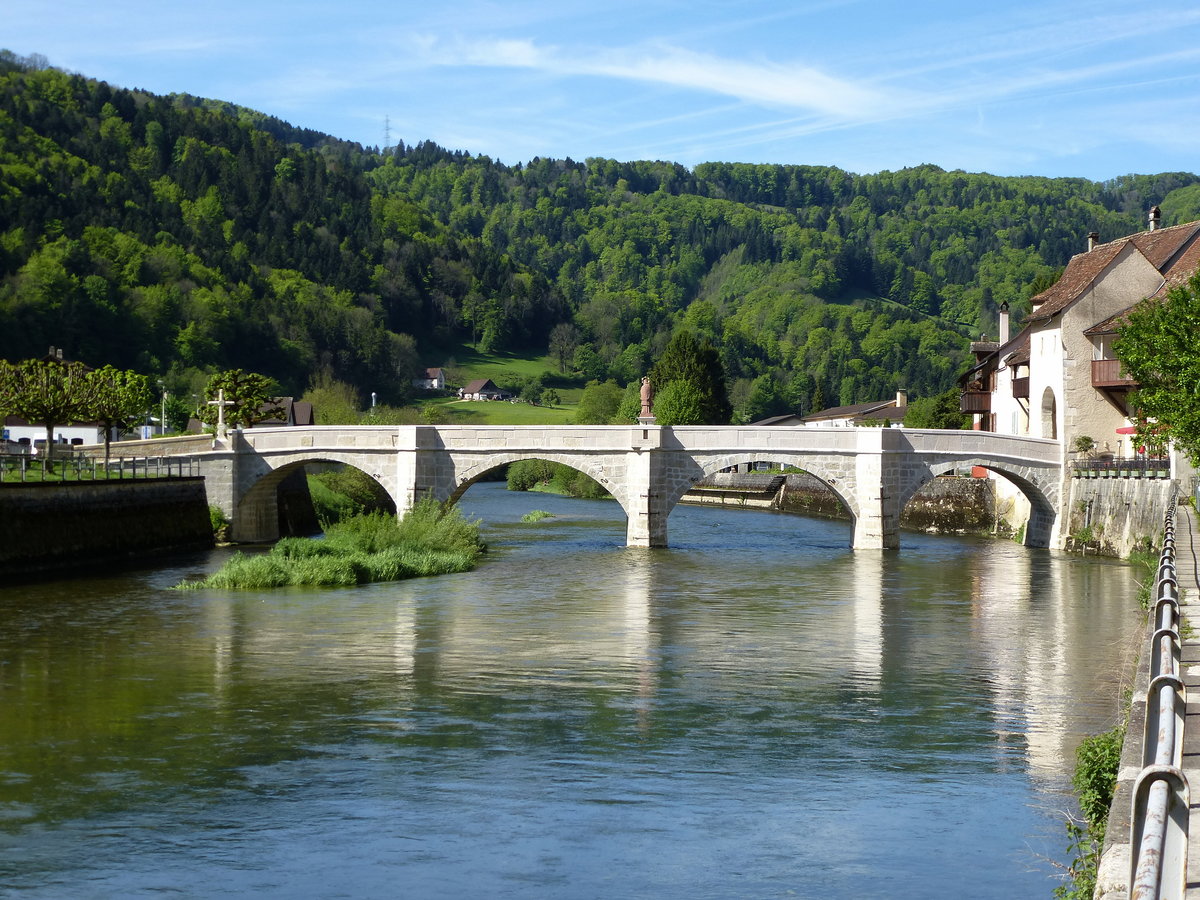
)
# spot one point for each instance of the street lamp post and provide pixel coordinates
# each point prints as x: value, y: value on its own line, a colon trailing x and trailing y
x: 162, y: 415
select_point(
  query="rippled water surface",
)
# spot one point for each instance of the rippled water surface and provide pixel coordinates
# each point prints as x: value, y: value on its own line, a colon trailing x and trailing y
x: 757, y: 712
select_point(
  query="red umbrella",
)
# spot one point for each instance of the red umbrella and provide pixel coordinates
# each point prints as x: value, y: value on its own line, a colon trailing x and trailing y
x: 1127, y: 429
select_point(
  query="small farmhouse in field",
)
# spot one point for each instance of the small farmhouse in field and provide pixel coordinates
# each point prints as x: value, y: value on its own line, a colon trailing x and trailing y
x: 431, y: 380
x: 483, y: 389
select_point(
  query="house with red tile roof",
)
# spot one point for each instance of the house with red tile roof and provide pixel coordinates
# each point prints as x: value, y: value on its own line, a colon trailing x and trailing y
x: 1058, y: 377
x: 483, y: 389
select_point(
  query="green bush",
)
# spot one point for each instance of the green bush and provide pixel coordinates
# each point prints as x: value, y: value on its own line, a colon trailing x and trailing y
x: 526, y: 474
x: 531, y: 474
x: 330, y: 506
x: 574, y: 483
x: 218, y: 520
x: 1097, y: 761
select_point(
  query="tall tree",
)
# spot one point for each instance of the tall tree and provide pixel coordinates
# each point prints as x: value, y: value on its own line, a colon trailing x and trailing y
x: 47, y: 392
x: 564, y: 338
x: 942, y: 411
x: 250, y: 398
x: 118, y: 397
x: 1157, y: 349
x: 679, y: 403
x: 697, y: 363
x: 599, y: 403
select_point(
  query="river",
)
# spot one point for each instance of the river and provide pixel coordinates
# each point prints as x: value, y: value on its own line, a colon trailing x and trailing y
x: 756, y: 712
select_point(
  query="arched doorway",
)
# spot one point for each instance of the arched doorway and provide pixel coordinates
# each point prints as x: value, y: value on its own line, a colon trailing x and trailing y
x: 1049, y: 415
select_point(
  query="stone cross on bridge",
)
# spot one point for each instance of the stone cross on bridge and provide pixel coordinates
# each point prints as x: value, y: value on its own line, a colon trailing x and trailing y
x: 647, y: 468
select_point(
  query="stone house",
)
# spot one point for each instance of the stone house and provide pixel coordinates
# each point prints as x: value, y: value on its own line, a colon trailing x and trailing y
x: 1058, y: 377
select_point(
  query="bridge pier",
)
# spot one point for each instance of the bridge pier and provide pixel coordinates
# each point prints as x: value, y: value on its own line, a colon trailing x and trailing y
x: 645, y: 502
x: 877, y: 521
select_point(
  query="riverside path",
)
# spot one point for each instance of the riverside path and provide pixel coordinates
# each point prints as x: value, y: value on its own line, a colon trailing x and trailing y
x: 1187, y: 571
x: 1114, y: 877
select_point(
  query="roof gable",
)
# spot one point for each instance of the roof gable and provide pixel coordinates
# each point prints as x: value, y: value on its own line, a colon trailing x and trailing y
x: 1161, y: 245
x: 1173, y: 252
x: 1080, y: 274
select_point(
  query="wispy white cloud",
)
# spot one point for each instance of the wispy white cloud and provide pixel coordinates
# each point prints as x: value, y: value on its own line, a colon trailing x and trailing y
x: 761, y: 82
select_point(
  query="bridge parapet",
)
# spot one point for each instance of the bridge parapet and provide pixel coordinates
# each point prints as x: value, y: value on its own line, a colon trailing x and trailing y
x: 1036, y: 451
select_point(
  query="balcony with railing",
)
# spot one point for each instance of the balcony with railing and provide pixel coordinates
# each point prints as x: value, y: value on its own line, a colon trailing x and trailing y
x: 1106, y: 373
x: 975, y: 402
x: 1021, y: 388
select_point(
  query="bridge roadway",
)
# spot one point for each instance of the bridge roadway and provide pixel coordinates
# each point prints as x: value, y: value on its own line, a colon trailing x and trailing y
x: 873, y: 471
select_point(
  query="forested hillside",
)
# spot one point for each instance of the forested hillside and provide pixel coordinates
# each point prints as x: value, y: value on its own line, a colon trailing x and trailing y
x: 178, y: 236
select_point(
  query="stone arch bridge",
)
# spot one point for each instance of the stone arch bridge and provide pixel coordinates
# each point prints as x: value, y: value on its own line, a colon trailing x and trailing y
x: 647, y: 469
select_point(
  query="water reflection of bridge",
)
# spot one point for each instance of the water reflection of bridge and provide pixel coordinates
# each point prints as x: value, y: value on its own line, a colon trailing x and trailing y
x: 873, y: 471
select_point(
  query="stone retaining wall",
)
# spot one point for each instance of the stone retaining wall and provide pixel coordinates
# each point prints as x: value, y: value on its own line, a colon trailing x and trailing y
x: 52, y: 526
x: 1114, y: 516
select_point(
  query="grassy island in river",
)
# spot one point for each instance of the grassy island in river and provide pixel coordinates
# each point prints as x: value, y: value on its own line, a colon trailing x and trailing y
x: 428, y: 540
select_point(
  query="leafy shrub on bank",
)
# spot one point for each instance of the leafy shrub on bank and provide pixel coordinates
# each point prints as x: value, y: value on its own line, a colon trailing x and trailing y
x: 1097, y: 761
x: 218, y: 520
x: 539, y: 474
x: 429, y: 540
x: 527, y: 474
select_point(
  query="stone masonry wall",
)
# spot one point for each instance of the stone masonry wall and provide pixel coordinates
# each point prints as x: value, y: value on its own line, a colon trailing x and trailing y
x: 48, y: 527
x: 1117, y: 514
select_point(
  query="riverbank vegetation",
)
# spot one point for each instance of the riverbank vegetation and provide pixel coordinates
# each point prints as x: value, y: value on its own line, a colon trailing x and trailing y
x: 343, y: 492
x: 1097, y: 761
x: 429, y: 540
x: 553, y: 478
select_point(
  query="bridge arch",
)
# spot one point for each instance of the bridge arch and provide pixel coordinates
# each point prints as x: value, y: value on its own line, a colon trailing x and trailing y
x: 256, y: 514
x: 814, y: 464
x: 1039, y: 488
x: 476, y: 469
x: 647, y: 469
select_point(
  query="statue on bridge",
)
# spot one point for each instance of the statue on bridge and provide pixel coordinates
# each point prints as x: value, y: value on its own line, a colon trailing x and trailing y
x: 647, y: 416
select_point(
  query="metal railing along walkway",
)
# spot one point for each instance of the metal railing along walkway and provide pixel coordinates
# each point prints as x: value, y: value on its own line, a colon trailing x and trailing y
x: 22, y: 469
x: 1161, y: 802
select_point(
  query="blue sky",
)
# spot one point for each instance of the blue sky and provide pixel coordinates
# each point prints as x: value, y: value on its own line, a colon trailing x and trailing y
x: 1052, y: 88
